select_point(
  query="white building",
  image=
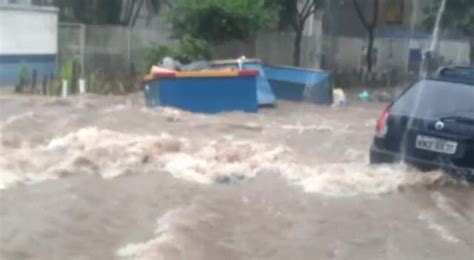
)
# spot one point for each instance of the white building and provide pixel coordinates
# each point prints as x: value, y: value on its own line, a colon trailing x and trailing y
x: 28, y: 38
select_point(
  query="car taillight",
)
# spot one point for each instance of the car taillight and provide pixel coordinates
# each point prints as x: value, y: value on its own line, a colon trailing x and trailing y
x: 381, y: 127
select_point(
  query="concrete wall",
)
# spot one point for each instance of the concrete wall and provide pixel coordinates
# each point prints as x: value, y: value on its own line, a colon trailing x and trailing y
x: 107, y: 49
x: 344, y: 54
x: 71, y: 42
x: 341, y: 18
x: 456, y: 52
x: 111, y: 49
x: 28, y: 36
x: 234, y: 49
x: 277, y: 48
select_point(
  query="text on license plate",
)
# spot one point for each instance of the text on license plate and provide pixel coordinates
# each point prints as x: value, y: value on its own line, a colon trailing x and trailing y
x: 436, y: 144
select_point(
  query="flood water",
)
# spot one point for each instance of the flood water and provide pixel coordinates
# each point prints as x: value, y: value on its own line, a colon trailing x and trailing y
x: 102, y: 177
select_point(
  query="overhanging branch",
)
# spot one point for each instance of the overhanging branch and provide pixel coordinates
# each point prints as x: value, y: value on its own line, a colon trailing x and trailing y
x: 360, y: 14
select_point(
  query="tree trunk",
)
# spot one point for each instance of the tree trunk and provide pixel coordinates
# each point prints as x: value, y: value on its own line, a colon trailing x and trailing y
x: 297, y: 47
x: 472, y: 50
x: 370, y: 50
x: 137, y: 13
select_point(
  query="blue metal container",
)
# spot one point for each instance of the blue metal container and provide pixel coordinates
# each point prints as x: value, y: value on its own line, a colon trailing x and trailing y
x: 204, y: 94
x: 265, y: 95
x: 297, y: 84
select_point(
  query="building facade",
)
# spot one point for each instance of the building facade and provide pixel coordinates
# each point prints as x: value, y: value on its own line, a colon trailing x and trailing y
x: 28, y: 40
x: 400, y: 37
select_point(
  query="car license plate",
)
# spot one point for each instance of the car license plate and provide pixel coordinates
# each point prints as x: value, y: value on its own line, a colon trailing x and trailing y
x: 436, y: 145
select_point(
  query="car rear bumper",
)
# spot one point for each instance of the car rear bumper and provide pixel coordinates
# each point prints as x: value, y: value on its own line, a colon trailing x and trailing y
x: 379, y: 156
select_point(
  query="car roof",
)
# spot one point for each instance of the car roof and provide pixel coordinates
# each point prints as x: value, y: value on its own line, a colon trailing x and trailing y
x: 457, y: 74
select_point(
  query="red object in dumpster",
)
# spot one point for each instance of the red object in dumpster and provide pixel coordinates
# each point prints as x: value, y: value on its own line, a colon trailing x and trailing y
x: 248, y: 72
x: 158, y: 70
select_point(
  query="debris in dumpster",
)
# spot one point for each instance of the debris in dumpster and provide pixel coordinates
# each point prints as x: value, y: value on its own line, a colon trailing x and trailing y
x: 196, y: 66
x: 171, y: 64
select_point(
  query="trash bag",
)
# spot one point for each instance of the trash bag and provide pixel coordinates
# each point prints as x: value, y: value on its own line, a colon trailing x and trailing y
x: 364, y: 96
x: 197, y: 65
x: 171, y: 64
x: 339, y: 97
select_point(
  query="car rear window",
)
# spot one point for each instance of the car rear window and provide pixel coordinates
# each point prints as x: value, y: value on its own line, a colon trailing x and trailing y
x: 433, y: 99
x: 457, y: 73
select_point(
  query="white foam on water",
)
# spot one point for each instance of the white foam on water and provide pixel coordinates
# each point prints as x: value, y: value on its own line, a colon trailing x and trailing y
x: 88, y: 151
x: 300, y: 128
x: 151, y: 250
x: 170, y: 235
x: 117, y: 108
x: 169, y: 113
x: 445, y: 204
x: 110, y: 154
x: 437, y: 228
x: 7, y: 179
x: 10, y: 120
x: 350, y: 179
x: 222, y: 159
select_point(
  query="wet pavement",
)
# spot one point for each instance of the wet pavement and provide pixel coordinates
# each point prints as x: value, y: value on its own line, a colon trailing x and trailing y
x: 102, y: 177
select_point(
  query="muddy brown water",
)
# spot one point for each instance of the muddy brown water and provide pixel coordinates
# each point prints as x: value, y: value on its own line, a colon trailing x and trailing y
x: 102, y: 177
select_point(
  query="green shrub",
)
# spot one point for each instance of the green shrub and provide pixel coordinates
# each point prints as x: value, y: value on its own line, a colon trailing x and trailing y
x: 24, y: 78
x: 222, y: 20
x: 67, y: 70
x: 189, y: 49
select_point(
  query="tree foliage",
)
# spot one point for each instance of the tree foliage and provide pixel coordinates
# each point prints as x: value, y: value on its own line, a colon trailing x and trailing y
x: 113, y: 12
x: 458, y: 16
x: 301, y: 12
x: 294, y: 15
x: 90, y: 11
x: 189, y: 49
x: 221, y: 20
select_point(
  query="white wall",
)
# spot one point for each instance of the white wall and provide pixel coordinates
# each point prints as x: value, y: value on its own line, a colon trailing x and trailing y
x: 22, y: 2
x: 345, y: 52
x: 28, y: 30
x: 392, y: 53
x: 453, y: 51
x: 456, y: 52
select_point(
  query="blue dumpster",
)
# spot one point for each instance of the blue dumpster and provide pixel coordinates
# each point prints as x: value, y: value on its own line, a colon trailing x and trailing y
x: 297, y: 84
x: 204, y: 91
x: 265, y: 95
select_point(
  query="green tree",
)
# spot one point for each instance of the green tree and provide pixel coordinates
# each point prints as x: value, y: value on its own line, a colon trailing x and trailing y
x: 458, y: 17
x: 297, y: 12
x: 90, y: 11
x: 188, y: 49
x: 221, y: 20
